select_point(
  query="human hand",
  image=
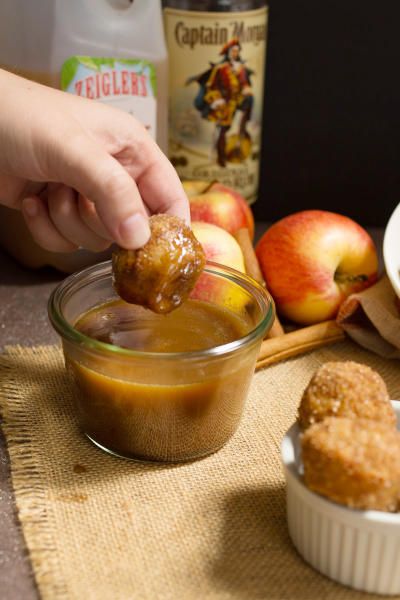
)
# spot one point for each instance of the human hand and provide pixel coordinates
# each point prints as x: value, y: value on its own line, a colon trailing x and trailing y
x: 82, y: 173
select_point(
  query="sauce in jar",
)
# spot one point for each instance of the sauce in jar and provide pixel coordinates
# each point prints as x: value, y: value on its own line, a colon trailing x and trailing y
x: 174, y: 410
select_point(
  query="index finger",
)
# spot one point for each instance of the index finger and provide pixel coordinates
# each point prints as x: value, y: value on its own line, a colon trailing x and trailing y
x: 161, y: 189
x: 94, y: 173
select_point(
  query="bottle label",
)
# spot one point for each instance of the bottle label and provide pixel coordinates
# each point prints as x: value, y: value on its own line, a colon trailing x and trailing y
x: 216, y: 87
x: 128, y: 84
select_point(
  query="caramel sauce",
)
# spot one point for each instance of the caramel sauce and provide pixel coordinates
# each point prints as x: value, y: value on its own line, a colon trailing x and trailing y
x: 195, y: 325
x: 154, y: 409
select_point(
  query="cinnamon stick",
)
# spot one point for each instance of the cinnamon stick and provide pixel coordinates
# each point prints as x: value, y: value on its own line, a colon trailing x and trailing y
x: 253, y: 269
x: 298, y: 342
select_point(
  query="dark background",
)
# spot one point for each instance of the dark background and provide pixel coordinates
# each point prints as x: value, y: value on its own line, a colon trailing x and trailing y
x: 331, y: 136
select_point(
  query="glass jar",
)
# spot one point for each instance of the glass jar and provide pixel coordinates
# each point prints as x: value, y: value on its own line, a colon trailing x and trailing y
x: 156, y: 406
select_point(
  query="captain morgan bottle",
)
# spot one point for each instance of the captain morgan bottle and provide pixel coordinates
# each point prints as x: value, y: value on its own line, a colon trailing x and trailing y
x: 217, y: 53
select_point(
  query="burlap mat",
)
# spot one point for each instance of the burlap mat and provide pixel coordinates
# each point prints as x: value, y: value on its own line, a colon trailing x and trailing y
x: 103, y: 528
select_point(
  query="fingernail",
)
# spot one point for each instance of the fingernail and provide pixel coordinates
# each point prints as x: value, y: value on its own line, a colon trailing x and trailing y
x: 30, y: 207
x: 134, y: 231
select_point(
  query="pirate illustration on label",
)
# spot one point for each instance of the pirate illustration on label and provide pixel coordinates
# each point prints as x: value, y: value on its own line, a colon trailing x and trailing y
x: 225, y: 88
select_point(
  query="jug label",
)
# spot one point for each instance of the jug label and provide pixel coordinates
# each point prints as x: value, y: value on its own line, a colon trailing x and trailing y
x: 128, y: 84
x: 216, y: 81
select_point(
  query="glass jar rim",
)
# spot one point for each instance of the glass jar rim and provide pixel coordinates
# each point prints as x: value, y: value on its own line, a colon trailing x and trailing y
x: 98, y: 271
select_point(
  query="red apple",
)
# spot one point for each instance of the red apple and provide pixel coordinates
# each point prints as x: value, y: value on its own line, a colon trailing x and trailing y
x: 219, y: 245
x: 194, y: 187
x: 220, y: 187
x: 312, y: 260
x: 219, y: 204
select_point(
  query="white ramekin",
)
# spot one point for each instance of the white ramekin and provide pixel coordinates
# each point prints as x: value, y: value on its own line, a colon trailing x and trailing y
x: 357, y: 548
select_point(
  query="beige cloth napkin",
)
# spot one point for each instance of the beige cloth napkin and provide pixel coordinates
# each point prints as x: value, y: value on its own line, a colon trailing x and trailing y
x: 102, y: 528
x: 372, y: 319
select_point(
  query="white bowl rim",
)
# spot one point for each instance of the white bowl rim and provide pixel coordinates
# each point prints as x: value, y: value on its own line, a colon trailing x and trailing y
x: 289, y: 449
x: 391, y: 239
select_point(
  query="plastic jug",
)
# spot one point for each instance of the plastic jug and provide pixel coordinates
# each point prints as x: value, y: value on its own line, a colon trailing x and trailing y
x: 110, y: 50
x: 75, y: 45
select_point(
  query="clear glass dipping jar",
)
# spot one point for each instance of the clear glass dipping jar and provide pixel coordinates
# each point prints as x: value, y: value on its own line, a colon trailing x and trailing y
x: 160, y: 406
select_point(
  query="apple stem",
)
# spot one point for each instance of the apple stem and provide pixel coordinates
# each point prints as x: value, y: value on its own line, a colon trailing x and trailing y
x: 345, y: 278
x: 209, y: 186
